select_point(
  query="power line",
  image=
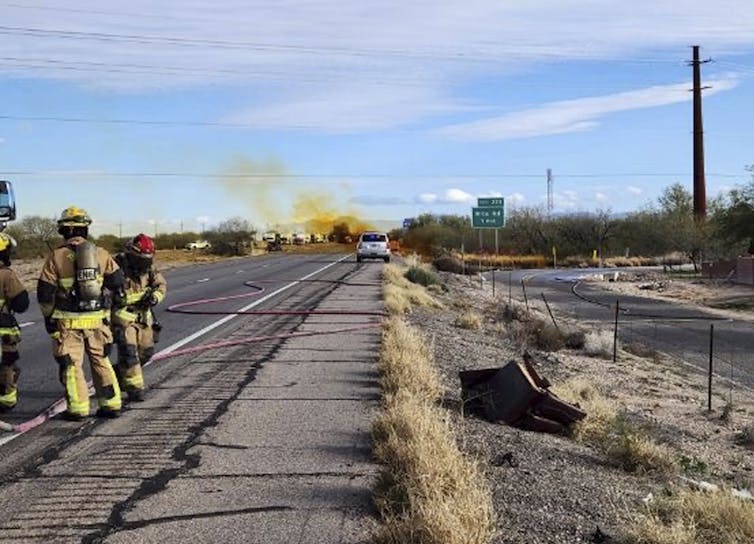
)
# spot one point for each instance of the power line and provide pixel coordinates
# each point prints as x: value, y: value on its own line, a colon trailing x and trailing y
x: 36, y: 63
x: 339, y: 176
x: 497, y: 56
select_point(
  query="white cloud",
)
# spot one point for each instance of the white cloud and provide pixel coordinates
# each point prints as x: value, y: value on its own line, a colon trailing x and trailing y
x: 568, y: 199
x: 458, y: 196
x: 450, y: 196
x: 515, y: 199
x: 636, y: 191
x: 577, y: 115
x: 348, y: 108
x: 348, y: 66
x: 600, y: 197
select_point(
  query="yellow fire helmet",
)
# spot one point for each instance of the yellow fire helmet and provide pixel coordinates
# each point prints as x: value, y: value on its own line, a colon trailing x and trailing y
x: 6, y: 242
x: 73, y: 216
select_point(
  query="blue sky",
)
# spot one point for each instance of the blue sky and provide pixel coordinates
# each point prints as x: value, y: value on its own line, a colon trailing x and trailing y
x: 183, y: 113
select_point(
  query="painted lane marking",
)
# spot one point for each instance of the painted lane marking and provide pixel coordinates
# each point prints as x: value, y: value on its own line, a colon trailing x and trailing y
x: 203, y: 280
x: 246, y: 308
x: 218, y: 323
x: 25, y: 324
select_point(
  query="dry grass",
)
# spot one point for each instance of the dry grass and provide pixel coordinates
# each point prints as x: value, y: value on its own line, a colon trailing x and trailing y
x: 599, y: 343
x: 506, y: 261
x: 406, y: 363
x: 746, y: 437
x: 469, y: 320
x: 427, y: 492
x: 400, y: 294
x: 623, y: 444
x: 694, y: 517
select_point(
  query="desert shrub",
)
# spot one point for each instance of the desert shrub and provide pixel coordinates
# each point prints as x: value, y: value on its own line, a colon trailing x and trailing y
x: 575, y: 340
x: 448, y: 264
x: 548, y: 338
x: 694, y: 517
x: 469, y: 320
x: 641, y: 350
x: 599, y: 343
x: 422, y: 276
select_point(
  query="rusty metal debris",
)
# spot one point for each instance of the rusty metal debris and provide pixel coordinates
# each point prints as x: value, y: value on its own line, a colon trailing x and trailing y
x: 518, y: 396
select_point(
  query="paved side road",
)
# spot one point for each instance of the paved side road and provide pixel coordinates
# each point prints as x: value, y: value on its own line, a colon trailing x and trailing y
x: 260, y: 444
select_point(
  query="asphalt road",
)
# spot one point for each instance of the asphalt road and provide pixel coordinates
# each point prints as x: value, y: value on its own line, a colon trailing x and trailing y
x: 38, y: 383
x: 681, y: 330
x: 255, y: 442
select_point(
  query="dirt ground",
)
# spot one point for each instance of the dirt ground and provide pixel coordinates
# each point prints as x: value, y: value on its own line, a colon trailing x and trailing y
x: 551, y: 489
x: 725, y: 298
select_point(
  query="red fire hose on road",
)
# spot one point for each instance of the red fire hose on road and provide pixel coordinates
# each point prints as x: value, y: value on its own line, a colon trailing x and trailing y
x: 190, y: 308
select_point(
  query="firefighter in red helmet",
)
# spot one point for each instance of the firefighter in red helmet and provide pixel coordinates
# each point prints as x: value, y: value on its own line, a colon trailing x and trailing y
x: 135, y: 328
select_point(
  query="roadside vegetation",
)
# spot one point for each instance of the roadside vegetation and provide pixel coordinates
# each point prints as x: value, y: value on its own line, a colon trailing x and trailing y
x: 427, y: 491
x: 623, y: 443
x: 662, y: 233
x: 694, y: 517
x: 400, y: 294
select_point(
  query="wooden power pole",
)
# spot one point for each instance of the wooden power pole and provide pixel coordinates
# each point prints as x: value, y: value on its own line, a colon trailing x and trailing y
x: 700, y: 185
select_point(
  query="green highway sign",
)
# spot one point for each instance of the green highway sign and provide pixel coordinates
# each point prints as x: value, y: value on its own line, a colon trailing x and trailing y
x: 487, y: 218
x: 497, y: 202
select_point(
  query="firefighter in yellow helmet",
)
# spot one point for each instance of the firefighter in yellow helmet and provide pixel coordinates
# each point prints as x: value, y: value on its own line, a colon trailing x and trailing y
x: 71, y: 296
x: 13, y: 299
x: 134, y: 326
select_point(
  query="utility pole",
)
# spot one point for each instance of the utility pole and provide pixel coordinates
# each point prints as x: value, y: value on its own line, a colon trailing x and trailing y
x: 550, y: 203
x: 700, y: 185
x: 120, y: 229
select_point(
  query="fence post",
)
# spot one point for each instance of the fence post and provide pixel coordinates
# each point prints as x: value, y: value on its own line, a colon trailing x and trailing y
x: 547, y: 305
x: 523, y: 287
x: 493, y: 283
x: 711, y: 357
x: 481, y: 272
x: 615, y: 331
x: 510, y: 287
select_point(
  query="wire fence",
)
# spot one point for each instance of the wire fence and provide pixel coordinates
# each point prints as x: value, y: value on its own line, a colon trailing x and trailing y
x: 718, y: 351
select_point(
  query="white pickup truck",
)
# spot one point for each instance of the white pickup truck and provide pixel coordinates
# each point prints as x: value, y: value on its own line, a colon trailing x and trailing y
x: 199, y: 244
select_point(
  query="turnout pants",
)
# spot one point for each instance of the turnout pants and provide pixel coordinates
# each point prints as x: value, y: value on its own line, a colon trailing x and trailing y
x: 69, y: 349
x: 9, y: 371
x: 135, y: 348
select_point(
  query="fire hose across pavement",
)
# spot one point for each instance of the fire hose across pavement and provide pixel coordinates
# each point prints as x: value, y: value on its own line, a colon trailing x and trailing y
x: 195, y: 307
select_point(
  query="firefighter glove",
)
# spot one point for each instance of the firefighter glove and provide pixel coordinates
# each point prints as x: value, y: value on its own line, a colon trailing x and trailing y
x: 119, y: 298
x: 51, y: 325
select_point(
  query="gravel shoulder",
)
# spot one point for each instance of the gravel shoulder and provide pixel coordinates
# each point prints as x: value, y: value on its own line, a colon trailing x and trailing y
x: 556, y: 490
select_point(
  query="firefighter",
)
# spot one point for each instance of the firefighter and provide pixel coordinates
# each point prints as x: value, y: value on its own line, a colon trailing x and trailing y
x: 14, y: 298
x: 134, y: 326
x: 73, y: 302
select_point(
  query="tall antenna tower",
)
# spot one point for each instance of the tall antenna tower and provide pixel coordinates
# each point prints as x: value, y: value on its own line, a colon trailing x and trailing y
x: 550, y: 203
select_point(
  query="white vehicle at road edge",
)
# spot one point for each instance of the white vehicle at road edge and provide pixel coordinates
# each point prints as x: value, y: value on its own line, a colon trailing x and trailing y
x: 373, y: 245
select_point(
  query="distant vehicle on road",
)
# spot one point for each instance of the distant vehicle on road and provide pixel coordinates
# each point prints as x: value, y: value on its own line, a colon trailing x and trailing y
x: 270, y: 236
x: 373, y: 245
x: 199, y: 244
x: 300, y: 238
x: 274, y: 245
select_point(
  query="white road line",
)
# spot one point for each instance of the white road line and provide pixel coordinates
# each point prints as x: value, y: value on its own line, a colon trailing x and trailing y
x: 205, y: 330
x: 203, y: 280
x: 227, y: 318
x: 25, y: 324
